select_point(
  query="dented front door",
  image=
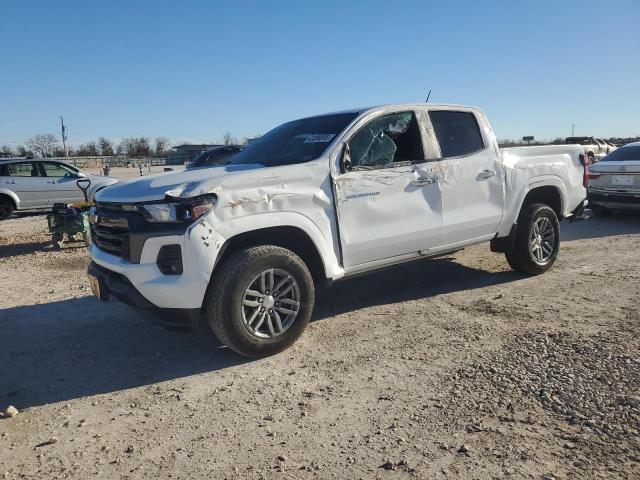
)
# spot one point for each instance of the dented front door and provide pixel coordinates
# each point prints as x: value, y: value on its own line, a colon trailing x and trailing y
x: 387, y: 212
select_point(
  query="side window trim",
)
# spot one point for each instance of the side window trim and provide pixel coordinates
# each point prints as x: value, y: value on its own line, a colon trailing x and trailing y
x: 370, y: 119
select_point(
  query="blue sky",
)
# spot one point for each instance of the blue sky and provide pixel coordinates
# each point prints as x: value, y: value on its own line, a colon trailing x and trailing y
x: 191, y: 70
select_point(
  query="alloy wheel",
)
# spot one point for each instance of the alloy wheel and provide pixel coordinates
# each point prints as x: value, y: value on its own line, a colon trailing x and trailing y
x: 542, y: 241
x: 270, y: 303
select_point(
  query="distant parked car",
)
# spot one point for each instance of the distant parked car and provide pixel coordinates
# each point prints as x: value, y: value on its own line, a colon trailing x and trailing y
x: 28, y: 184
x: 214, y: 157
x: 614, y: 182
x: 594, y: 148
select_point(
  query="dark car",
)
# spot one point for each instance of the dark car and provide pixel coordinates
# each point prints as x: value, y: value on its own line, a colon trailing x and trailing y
x: 214, y: 157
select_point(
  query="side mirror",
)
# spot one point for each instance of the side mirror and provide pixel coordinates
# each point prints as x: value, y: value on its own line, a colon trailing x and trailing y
x: 345, y: 159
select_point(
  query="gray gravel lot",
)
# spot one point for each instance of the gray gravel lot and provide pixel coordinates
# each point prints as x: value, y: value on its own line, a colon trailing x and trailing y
x: 450, y: 368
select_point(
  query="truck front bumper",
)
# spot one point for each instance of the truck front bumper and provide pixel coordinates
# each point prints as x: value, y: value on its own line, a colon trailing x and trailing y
x: 144, y: 285
x: 111, y: 284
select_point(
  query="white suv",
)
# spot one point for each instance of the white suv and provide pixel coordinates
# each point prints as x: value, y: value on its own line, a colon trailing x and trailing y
x: 28, y: 184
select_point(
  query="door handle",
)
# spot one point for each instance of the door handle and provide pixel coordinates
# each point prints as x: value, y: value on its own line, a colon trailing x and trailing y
x: 422, y: 181
x: 486, y: 173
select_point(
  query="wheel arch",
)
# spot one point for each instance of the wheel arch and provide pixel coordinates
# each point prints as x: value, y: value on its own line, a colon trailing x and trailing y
x: 545, y: 193
x: 286, y: 236
x: 8, y: 194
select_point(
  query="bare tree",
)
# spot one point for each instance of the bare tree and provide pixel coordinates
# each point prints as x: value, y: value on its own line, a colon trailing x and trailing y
x: 125, y: 147
x: 6, y: 151
x: 22, y: 151
x: 105, y: 146
x: 58, y: 151
x: 89, y: 149
x: 142, y: 147
x: 161, y: 146
x: 229, y: 139
x: 42, y: 144
x: 135, y: 147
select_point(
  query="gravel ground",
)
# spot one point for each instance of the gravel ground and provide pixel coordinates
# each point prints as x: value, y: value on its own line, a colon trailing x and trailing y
x: 450, y: 368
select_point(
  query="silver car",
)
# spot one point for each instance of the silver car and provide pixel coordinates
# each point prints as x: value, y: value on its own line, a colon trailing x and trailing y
x: 33, y: 184
x: 614, y: 182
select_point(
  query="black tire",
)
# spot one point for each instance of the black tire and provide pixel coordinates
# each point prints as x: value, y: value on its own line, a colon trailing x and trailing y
x: 6, y: 208
x: 592, y: 158
x: 521, y: 258
x: 224, y: 302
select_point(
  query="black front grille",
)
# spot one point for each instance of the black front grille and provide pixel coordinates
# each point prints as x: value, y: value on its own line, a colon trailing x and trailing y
x: 124, y: 232
x: 110, y: 230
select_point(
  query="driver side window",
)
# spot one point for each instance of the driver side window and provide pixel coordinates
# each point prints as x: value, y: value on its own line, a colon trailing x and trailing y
x: 386, y: 141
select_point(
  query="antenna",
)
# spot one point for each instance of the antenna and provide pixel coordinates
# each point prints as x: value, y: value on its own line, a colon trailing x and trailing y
x: 63, y: 131
x: 428, y: 95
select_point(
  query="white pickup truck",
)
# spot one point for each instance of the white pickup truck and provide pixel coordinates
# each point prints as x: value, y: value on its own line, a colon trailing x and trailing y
x: 321, y: 199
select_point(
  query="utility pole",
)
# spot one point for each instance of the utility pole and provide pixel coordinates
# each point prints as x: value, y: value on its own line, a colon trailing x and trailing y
x: 64, y: 137
x: 573, y: 128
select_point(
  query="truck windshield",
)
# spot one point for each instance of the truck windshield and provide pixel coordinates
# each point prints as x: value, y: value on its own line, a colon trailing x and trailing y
x: 295, y: 142
x: 623, y: 154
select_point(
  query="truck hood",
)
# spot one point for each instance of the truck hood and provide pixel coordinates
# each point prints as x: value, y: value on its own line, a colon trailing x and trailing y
x: 183, y: 184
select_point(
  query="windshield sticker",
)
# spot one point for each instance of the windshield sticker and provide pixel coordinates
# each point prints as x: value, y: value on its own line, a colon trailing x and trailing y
x: 319, y: 138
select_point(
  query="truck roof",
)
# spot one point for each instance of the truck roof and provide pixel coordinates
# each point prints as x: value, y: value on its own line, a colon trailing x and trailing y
x: 393, y: 105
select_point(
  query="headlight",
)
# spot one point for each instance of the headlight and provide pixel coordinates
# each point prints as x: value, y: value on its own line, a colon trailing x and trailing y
x: 163, y: 213
x: 178, y: 210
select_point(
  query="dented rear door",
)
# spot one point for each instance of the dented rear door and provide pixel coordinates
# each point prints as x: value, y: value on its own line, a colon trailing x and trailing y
x: 471, y: 175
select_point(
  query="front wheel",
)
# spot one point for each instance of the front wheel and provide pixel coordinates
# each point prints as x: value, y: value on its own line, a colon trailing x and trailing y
x: 537, y: 241
x: 260, y: 300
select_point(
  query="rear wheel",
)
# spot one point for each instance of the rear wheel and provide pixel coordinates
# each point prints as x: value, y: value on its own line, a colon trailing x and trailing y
x: 537, y: 241
x: 6, y: 208
x: 260, y: 300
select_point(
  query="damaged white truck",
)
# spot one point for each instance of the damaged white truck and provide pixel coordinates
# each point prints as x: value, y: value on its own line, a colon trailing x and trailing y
x: 242, y: 246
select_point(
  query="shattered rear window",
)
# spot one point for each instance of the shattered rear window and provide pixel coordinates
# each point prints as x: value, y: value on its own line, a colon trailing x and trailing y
x: 295, y: 142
